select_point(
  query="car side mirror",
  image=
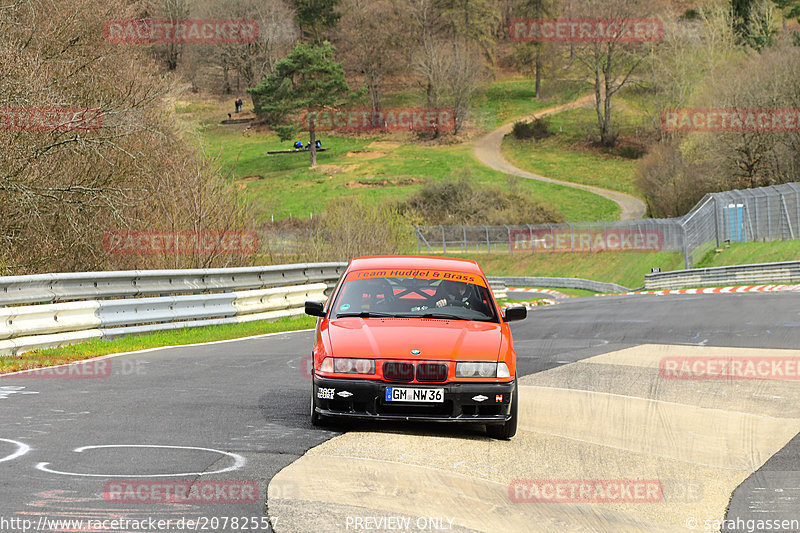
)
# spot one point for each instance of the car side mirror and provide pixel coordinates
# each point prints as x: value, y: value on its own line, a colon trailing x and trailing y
x: 315, y: 309
x: 513, y: 314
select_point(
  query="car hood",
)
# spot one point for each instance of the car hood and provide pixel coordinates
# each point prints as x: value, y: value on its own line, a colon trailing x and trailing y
x: 394, y: 338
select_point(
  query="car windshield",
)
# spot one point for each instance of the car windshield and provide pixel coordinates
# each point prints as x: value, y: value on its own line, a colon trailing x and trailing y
x: 414, y: 297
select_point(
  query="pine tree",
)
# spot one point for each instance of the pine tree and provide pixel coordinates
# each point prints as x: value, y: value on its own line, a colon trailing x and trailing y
x: 308, y: 79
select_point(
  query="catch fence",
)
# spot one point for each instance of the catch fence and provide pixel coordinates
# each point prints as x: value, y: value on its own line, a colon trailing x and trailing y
x: 762, y: 214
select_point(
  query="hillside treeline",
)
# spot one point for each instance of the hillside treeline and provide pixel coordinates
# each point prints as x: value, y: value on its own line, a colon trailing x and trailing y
x: 127, y: 166
x: 713, y: 54
x: 118, y: 165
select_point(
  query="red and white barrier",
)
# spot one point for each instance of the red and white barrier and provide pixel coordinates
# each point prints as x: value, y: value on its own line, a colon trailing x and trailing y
x: 719, y: 290
x: 554, y: 294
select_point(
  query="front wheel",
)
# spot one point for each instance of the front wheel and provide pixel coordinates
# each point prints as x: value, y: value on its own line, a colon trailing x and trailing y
x: 507, y: 429
x: 316, y: 418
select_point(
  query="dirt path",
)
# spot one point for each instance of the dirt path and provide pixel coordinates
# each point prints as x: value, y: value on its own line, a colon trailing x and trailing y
x: 487, y: 150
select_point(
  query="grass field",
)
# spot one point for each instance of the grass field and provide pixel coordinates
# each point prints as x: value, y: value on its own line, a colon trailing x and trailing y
x: 627, y: 268
x: 753, y: 252
x: 374, y: 169
x: 512, y: 98
x: 567, y: 156
x: 499, y: 101
x: 96, y: 348
x: 624, y: 268
x: 391, y: 167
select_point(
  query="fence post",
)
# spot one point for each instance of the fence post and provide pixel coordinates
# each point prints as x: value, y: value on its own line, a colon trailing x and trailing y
x: 686, y: 259
x: 797, y: 205
x: 510, y: 244
x: 571, y: 237
x: 421, y: 237
x: 464, y: 228
x: 788, y: 220
x: 716, y: 220
x: 589, y: 231
x: 488, y: 243
x: 758, y: 229
x: 444, y: 241
x: 769, y: 218
x: 530, y: 234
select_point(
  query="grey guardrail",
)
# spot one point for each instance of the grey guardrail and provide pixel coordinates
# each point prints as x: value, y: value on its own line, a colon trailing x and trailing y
x: 560, y: 283
x: 112, y: 304
x: 40, y: 288
x: 756, y: 274
x: 498, y: 288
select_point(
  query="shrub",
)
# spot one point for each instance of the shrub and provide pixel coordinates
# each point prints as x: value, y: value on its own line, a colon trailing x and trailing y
x: 348, y: 228
x: 670, y: 184
x: 537, y: 129
x: 462, y: 201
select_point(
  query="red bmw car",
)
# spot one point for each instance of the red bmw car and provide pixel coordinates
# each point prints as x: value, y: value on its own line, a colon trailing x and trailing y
x: 415, y: 338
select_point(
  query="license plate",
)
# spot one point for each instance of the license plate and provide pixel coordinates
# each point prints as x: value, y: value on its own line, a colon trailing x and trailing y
x: 398, y: 394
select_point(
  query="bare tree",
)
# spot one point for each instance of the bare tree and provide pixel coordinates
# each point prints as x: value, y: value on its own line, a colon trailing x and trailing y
x: 463, y: 75
x: 534, y: 55
x: 610, y: 63
x: 251, y: 62
x: 763, y: 156
x: 691, y: 53
x: 119, y: 165
x: 425, y: 49
x: 474, y: 21
x: 369, y: 43
x: 172, y: 10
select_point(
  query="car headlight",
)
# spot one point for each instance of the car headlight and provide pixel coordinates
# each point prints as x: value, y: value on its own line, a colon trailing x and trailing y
x: 471, y: 369
x: 348, y: 366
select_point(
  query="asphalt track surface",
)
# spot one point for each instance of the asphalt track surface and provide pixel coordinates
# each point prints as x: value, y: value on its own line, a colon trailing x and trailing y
x: 239, y: 410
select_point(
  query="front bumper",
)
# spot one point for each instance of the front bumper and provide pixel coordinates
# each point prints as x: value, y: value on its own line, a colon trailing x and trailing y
x: 363, y: 399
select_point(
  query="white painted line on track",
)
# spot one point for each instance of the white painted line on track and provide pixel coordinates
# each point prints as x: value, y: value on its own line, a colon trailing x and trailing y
x: 22, y: 449
x: 5, y: 392
x: 239, y: 462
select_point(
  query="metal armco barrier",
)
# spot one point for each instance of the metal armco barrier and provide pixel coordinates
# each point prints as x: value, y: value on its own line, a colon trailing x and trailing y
x: 112, y: 304
x: 560, y: 283
x: 498, y: 287
x: 15, y: 290
x: 760, y: 274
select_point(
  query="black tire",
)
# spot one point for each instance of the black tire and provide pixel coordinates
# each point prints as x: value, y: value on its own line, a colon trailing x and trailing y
x: 316, y: 418
x: 508, y: 429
